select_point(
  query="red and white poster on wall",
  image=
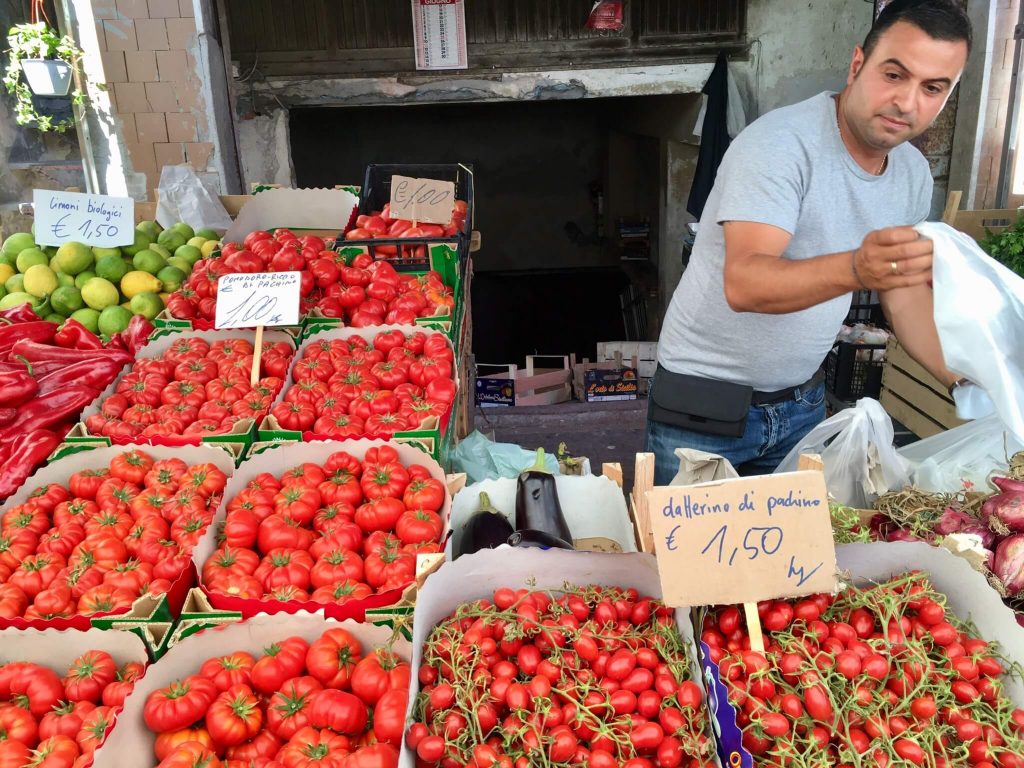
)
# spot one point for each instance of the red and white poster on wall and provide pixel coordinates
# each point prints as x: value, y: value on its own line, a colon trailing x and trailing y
x: 439, y: 32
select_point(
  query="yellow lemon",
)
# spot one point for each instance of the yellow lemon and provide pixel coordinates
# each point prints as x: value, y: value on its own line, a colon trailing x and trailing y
x: 137, y: 282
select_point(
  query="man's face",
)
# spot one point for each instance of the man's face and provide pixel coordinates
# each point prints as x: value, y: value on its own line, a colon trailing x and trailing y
x: 898, y: 91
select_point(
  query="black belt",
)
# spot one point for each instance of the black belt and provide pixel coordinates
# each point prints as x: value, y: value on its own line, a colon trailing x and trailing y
x: 781, y: 395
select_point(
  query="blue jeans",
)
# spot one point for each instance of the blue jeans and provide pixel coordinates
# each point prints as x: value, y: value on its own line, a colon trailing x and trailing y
x: 772, y: 431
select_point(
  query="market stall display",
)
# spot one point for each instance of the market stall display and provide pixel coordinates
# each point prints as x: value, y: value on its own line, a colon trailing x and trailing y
x: 60, y: 693
x: 881, y: 673
x: 102, y: 529
x: 372, y: 382
x: 192, y: 386
x: 338, y: 531
x: 102, y: 288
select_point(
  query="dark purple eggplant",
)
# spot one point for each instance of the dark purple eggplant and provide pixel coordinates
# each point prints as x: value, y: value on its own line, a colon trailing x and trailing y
x: 486, y: 529
x: 537, y: 506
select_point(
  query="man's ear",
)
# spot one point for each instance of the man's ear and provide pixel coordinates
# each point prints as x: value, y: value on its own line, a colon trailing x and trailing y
x: 856, y: 63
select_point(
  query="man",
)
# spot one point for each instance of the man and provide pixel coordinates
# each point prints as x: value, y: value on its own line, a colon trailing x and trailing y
x: 811, y: 202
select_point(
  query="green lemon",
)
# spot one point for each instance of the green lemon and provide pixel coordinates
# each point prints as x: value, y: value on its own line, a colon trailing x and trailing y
x: 74, y: 258
x: 65, y: 280
x: 184, y: 230
x: 148, y: 261
x: 142, y: 241
x: 16, y: 243
x: 56, y: 317
x: 3, y: 291
x: 207, y: 234
x: 112, y: 268
x: 179, y: 263
x: 149, y: 228
x: 30, y: 258
x: 90, y: 318
x: 66, y: 301
x: 50, y: 251
x: 190, y: 253
x: 147, y: 304
x: 114, y: 319
x: 16, y: 299
x: 82, y: 278
x: 40, y: 281
x: 157, y: 248
x: 100, y: 294
x: 98, y: 253
x: 171, y: 277
x: 171, y: 239
x: 8, y: 259
x: 138, y: 282
x: 15, y: 283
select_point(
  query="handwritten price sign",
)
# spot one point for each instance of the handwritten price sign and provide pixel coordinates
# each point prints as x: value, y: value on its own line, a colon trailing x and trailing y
x: 743, y: 540
x: 249, y: 300
x: 422, y: 200
x: 99, y: 220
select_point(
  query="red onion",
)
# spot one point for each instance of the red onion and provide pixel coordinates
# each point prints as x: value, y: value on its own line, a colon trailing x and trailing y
x: 979, y: 529
x: 1009, y: 563
x: 1008, y: 484
x: 953, y: 521
x: 1004, y: 512
x: 901, y: 535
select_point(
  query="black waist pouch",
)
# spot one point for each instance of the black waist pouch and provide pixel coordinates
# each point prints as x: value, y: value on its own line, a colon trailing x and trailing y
x: 700, y: 405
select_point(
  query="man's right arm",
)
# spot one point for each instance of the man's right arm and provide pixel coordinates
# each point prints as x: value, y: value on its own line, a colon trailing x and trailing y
x: 758, y: 278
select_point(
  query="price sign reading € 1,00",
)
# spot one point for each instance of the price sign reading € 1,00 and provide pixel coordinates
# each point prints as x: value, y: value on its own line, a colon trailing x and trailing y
x: 248, y: 300
x: 743, y: 540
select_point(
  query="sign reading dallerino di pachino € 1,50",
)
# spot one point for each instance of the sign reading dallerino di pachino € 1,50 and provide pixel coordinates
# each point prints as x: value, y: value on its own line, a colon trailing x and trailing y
x: 743, y: 540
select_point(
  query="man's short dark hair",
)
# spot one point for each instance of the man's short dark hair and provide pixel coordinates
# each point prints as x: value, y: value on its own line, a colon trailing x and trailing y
x: 939, y: 19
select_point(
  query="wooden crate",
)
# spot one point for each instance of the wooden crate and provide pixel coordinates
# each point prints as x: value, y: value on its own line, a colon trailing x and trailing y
x: 644, y: 352
x: 974, y: 223
x: 535, y: 386
x: 913, y: 397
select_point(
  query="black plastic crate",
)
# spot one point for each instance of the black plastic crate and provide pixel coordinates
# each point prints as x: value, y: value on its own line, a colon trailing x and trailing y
x: 865, y: 308
x: 376, y: 193
x: 853, y: 371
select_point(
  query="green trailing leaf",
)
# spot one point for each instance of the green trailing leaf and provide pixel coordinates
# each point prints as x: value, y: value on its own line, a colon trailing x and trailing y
x: 37, y: 41
x: 1007, y: 246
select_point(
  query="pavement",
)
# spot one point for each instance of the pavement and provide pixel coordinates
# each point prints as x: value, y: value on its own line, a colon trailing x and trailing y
x: 603, y: 432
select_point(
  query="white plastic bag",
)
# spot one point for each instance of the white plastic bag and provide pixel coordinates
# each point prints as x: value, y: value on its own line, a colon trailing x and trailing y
x: 181, y: 196
x: 856, y: 446
x: 979, y: 312
x: 968, y: 453
x: 483, y: 459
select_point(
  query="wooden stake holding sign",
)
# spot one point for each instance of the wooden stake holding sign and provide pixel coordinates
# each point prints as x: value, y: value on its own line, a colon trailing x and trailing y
x: 744, y: 540
x: 248, y: 299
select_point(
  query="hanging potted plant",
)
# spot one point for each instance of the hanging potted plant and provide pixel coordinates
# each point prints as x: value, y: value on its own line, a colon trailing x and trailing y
x: 41, y: 64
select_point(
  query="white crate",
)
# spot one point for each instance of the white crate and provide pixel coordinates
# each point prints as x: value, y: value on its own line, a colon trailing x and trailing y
x: 645, y: 352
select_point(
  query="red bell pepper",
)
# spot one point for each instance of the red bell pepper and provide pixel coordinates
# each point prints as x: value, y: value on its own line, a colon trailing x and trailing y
x: 51, y: 408
x: 16, y: 388
x: 96, y: 373
x: 74, y: 335
x: 28, y: 450
x: 35, y: 352
x: 39, y: 331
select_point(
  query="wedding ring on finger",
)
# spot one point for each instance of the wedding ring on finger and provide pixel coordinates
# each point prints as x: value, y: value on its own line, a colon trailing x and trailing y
x: 895, y: 267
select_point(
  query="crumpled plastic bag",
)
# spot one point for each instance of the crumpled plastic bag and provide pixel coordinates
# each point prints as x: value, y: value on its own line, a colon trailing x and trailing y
x: 856, y: 447
x: 979, y: 313
x: 968, y: 453
x: 181, y: 196
x: 483, y: 459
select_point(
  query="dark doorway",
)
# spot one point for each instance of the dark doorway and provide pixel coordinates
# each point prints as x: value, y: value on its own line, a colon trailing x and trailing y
x: 550, y: 186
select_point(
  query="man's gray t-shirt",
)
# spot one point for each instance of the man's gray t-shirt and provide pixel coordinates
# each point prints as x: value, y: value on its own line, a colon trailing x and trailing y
x: 790, y: 169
